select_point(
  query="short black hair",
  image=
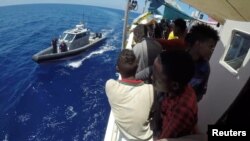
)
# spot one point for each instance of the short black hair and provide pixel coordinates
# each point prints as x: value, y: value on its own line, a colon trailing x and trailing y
x: 127, y: 63
x: 180, y: 23
x: 201, y: 32
x: 177, y: 66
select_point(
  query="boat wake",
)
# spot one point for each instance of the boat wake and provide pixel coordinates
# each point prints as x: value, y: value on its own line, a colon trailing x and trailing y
x: 77, y: 64
x: 106, y: 32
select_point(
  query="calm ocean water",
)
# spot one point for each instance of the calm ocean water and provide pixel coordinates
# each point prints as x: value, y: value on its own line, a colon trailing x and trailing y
x: 62, y: 100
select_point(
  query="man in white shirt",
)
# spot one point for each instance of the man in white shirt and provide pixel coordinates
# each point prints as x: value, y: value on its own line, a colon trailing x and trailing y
x: 130, y: 99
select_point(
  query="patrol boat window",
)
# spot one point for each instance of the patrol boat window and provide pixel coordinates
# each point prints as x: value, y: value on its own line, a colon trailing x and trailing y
x: 63, y: 36
x: 69, y: 37
x: 238, y: 50
x: 78, y: 36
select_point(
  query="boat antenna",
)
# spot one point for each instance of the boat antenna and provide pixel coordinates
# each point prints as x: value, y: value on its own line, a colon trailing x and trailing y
x: 81, y: 22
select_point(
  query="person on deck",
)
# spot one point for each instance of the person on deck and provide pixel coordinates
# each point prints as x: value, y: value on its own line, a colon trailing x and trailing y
x: 165, y: 28
x: 146, y: 50
x: 201, y: 41
x: 130, y: 99
x: 179, y: 29
x: 63, y: 47
x: 175, y: 105
x: 176, y: 38
x: 54, y: 45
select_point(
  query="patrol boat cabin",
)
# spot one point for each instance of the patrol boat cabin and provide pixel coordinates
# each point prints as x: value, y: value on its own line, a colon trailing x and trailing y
x: 75, y: 38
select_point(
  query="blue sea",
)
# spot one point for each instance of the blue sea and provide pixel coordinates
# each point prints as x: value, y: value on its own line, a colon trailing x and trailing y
x: 62, y: 100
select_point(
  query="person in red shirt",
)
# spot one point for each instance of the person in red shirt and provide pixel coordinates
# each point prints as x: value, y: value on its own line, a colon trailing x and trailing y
x: 175, y: 109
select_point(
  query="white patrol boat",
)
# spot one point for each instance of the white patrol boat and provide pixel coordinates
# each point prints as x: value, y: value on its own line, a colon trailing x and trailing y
x: 71, y: 42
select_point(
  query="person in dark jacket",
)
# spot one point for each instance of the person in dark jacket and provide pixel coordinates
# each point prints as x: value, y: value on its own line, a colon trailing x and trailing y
x: 201, y: 41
